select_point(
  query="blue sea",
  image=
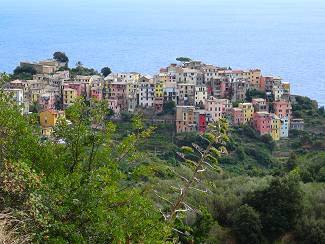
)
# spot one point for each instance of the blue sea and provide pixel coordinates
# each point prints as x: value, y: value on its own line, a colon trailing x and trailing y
x: 285, y: 38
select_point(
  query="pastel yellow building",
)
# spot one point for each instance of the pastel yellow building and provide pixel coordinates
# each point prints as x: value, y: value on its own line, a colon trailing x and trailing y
x: 158, y: 90
x: 248, y: 111
x: 276, y: 127
x: 69, y: 96
x: 48, y: 119
x: 132, y: 89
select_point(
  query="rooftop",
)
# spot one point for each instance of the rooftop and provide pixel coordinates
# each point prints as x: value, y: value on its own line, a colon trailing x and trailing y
x: 53, y: 111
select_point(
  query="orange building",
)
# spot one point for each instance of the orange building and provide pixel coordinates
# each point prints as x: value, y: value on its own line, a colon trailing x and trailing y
x: 254, y: 77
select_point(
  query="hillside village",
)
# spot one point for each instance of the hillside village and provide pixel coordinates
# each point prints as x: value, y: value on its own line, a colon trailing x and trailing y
x: 82, y: 162
x: 191, y: 94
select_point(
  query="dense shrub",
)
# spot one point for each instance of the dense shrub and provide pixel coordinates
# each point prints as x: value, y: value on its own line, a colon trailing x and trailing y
x: 247, y: 225
x: 310, y: 231
x: 312, y: 167
x: 261, y: 156
x: 202, y: 226
x: 24, y: 72
x: 279, y: 205
x: 60, y: 57
x: 267, y: 139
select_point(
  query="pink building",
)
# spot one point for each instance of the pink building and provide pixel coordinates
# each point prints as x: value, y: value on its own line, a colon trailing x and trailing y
x: 96, y: 93
x: 262, y: 122
x: 216, y: 108
x: 117, y: 90
x: 114, y: 105
x: 237, y: 116
x: 282, y: 109
x: 117, y: 96
x: 225, y: 88
x: 78, y: 87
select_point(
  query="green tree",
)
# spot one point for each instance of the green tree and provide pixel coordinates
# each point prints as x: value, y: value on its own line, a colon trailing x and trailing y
x: 21, y: 154
x: 35, y: 107
x: 321, y: 111
x: 17, y: 138
x: 94, y: 167
x: 4, y: 78
x: 81, y: 70
x: 311, y: 231
x: 183, y: 59
x: 24, y: 72
x: 312, y: 168
x: 267, y: 139
x: 202, y: 225
x: 292, y: 162
x: 250, y: 94
x: 60, y: 57
x: 79, y: 64
x: 279, y: 205
x: 169, y: 107
x: 72, y: 189
x: 106, y: 71
x: 247, y: 225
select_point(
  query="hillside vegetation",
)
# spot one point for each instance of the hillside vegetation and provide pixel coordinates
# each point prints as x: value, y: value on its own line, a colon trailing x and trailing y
x: 100, y: 182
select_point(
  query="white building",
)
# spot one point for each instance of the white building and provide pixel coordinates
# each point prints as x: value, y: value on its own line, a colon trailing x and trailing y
x: 18, y: 97
x: 277, y: 92
x: 146, y: 92
x: 200, y: 95
x: 170, y: 94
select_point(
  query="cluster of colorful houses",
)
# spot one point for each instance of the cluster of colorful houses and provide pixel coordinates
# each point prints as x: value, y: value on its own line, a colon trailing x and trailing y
x: 202, y: 93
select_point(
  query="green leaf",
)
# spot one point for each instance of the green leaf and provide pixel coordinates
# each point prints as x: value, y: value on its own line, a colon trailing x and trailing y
x: 187, y: 150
